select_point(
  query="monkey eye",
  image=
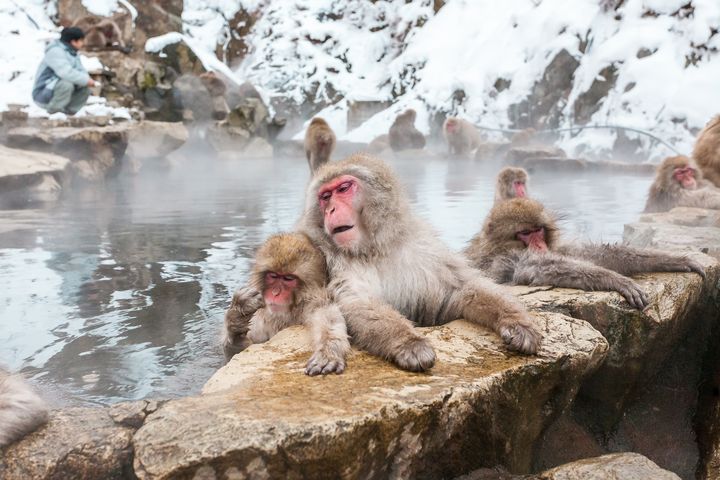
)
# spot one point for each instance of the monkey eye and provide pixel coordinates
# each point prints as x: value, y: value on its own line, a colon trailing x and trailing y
x: 289, y: 278
x: 344, y: 187
x: 273, y: 275
x: 325, y: 195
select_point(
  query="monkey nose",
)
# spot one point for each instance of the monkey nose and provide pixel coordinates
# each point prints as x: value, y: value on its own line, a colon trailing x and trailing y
x: 276, y: 291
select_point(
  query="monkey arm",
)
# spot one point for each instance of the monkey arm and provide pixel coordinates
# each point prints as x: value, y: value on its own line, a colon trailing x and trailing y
x: 628, y: 260
x: 245, y: 303
x: 702, y: 198
x: 559, y: 271
x: 383, y: 331
x: 329, y: 339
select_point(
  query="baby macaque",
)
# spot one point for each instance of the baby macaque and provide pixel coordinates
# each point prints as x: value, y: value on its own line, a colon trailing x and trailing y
x: 21, y: 409
x: 461, y: 136
x: 288, y: 287
x: 511, y: 183
x: 679, y: 183
x: 319, y: 143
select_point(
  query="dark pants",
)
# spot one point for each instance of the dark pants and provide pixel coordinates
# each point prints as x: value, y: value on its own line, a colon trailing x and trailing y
x: 67, y: 98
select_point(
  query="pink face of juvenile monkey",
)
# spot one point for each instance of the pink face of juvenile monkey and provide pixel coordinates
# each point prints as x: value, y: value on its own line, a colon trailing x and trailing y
x: 451, y: 126
x: 339, y: 200
x: 279, y: 291
x: 534, y: 239
x: 519, y: 188
x: 685, y: 176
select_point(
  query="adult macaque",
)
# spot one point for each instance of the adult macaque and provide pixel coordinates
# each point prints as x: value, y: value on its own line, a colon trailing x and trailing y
x: 319, y: 143
x: 389, y: 271
x: 101, y: 33
x: 379, y: 144
x: 523, y: 138
x: 21, y: 409
x: 519, y: 244
x: 461, y: 136
x: 288, y: 287
x: 679, y: 183
x: 511, y: 183
x: 707, y: 151
x: 403, y: 135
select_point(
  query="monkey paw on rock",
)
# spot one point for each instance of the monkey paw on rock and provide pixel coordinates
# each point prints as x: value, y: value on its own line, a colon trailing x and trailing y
x: 633, y: 293
x: 322, y: 363
x: 416, y: 355
x: 521, y: 337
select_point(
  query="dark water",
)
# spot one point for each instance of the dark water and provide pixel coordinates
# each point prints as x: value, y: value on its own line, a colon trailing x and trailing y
x: 118, y: 293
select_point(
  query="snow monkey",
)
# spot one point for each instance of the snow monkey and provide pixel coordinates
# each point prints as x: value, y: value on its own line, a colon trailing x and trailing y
x: 519, y: 244
x: 389, y: 270
x: 319, y: 143
x: 707, y: 151
x: 21, y: 409
x: 511, y: 183
x: 679, y: 183
x: 101, y: 33
x: 461, y: 136
x: 403, y: 135
x: 288, y: 287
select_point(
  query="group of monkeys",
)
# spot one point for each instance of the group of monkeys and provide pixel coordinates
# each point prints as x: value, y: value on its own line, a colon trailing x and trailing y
x: 362, y: 267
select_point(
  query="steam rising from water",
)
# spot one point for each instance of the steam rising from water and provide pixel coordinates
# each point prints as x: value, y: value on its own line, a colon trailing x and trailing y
x: 118, y: 293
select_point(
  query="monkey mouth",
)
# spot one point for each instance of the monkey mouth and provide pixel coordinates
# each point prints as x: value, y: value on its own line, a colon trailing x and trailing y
x: 342, y: 228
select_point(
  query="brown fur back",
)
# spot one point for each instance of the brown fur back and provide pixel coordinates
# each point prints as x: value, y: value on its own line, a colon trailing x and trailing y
x: 21, y: 409
x: 707, y: 151
x: 319, y: 143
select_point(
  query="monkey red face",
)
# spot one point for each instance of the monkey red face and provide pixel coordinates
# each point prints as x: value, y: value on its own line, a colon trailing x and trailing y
x: 534, y: 239
x: 340, y: 200
x: 686, y: 177
x: 519, y: 188
x: 451, y: 126
x: 279, y: 291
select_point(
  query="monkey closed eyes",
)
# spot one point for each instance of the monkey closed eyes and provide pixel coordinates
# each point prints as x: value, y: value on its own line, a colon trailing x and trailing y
x: 519, y: 244
x: 389, y: 271
x: 319, y: 143
x: 287, y: 287
x: 679, y: 183
x: 21, y: 409
x: 403, y: 135
x: 511, y: 183
x: 461, y: 136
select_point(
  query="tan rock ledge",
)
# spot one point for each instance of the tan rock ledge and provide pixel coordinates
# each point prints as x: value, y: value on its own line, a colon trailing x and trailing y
x: 639, y: 341
x: 690, y: 217
x: 261, y: 417
x: 674, y: 238
x: 625, y: 466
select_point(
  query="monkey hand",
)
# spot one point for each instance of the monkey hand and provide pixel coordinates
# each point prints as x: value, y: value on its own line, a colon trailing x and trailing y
x: 246, y: 301
x: 415, y: 355
x: 690, y: 265
x: 632, y: 292
x: 325, y: 361
x: 520, y: 334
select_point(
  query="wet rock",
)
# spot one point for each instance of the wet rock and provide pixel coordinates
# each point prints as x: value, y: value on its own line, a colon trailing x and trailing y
x: 235, y: 48
x: 155, y: 140
x: 156, y: 18
x: 590, y: 101
x: 558, y: 164
x: 95, y: 152
x: 77, y: 443
x: 519, y: 154
x: 625, y: 466
x: 260, y: 417
x: 690, y: 217
x: 31, y: 176
x: 491, y: 150
x: 226, y: 139
x: 132, y: 414
x: 676, y: 238
x: 360, y: 111
x: 195, y: 98
x: 258, y: 148
x: 639, y: 341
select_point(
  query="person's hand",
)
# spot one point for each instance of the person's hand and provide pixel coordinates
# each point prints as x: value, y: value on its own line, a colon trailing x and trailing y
x: 92, y: 83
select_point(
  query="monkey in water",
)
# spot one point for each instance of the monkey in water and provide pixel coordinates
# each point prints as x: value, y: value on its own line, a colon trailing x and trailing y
x: 319, y: 143
x: 511, y: 183
x: 288, y: 287
x: 461, y: 136
x: 679, y: 183
x: 389, y: 271
x: 519, y: 244
x: 707, y: 151
x: 403, y: 135
x: 21, y: 409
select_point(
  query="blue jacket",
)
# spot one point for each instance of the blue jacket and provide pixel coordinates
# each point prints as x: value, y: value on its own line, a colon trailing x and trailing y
x: 61, y: 61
